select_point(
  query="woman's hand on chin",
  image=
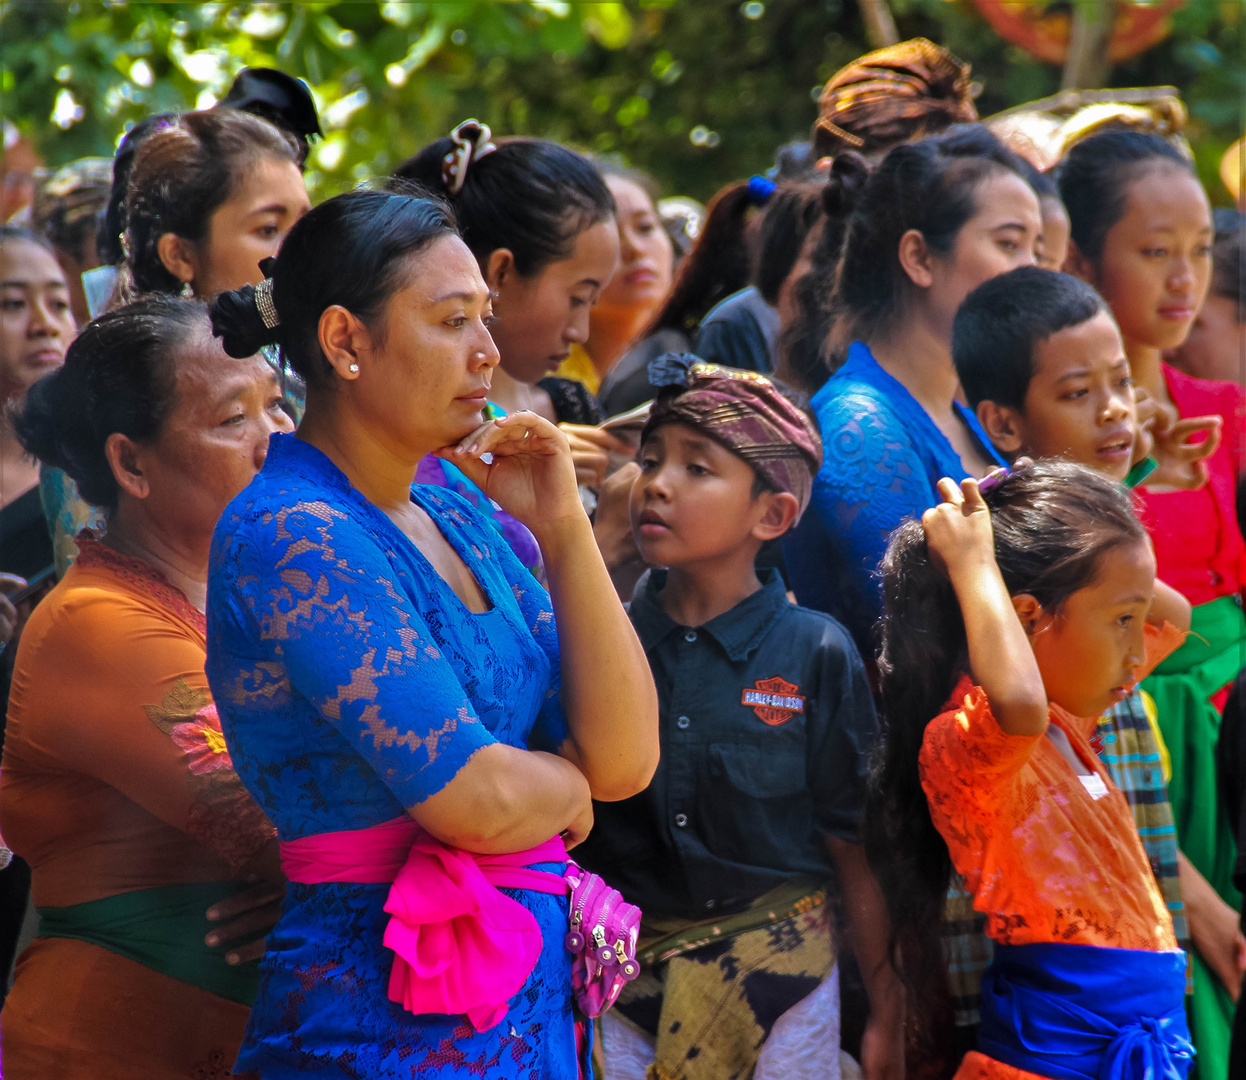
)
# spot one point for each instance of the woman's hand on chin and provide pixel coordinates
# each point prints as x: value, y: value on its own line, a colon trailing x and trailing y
x: 531, y: 474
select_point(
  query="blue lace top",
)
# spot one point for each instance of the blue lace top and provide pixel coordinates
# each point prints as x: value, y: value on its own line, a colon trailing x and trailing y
x: 882, y: 457
x: 353, y: 683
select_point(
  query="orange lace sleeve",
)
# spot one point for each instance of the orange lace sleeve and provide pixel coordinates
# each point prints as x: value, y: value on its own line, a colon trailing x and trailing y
x: 966, y: 764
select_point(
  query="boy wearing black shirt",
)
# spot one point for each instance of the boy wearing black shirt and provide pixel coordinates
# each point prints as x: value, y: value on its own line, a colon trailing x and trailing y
x: 767, y: 722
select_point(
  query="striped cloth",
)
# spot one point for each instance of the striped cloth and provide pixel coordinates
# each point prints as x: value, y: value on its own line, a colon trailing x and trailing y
x: 1134, y: 753
x: 1129, y: 745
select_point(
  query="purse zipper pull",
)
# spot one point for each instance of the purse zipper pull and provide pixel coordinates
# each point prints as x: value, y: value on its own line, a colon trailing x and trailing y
x: 604, y: 954
x: 574, y: 941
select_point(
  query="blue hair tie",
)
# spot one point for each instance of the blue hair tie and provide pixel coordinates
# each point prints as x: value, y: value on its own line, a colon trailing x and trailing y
x: 760, y: 189
x: 671, y: 369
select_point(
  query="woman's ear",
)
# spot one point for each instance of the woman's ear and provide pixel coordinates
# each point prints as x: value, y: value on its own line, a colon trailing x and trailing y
x: 345, y: 341
x: 1033, y: 618
x: 1003, y: 426
x: 178, y: 256
x: 915, y: 259
x: 123, y: 455
x: 499, y: 270
x: 782, y: 508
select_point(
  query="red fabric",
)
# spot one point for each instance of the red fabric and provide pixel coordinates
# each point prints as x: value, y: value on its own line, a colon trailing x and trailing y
x: 460, y: 945
x: 1198, y: 545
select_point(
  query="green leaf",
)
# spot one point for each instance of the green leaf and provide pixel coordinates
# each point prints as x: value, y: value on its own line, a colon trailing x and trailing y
x: 634, y: 76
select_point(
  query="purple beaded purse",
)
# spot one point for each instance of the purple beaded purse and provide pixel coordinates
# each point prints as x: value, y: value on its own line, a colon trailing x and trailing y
x: 602, y: 940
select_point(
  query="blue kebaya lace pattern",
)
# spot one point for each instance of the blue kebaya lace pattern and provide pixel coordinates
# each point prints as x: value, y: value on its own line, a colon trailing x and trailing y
x: 883, y: 456
x: 352, y: 683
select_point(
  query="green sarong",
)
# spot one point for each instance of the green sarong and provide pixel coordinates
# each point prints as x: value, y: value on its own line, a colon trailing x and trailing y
x: 1181, y: 687
x: 162, y: 929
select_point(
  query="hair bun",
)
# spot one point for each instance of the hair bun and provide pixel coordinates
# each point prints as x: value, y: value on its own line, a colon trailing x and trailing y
x: 849, y: 172
x: 238, y: 322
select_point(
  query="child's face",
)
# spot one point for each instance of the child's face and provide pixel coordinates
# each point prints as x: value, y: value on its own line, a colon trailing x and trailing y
x: 1080, y: 402
x: 693, y: 500
x: 1088, y: 651
x: 1156, y: 261
x: 1216, y: 344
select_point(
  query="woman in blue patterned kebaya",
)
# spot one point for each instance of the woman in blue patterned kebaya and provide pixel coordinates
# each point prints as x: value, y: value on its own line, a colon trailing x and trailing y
x: 389, y: 674
x: 934, y: 220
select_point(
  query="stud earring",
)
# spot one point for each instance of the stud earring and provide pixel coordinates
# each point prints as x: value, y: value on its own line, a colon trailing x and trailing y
x: 188, y: 292
x: 353, y: 369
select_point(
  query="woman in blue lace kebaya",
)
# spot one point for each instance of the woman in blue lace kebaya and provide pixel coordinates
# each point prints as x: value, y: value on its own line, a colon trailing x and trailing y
x: 935, y: 219
x: 379, y: 654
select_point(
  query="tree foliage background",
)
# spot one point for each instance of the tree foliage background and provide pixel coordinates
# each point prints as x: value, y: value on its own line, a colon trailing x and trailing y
x: 697, y: 92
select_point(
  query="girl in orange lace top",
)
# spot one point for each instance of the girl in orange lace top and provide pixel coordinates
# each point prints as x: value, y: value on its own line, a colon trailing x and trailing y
x: 1028, y: 599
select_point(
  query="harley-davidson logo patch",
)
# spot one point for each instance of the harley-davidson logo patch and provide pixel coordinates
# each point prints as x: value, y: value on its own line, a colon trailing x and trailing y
x: 775, y: 701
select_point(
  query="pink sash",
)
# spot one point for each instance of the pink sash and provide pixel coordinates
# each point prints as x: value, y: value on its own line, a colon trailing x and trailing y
x: 460, y: 946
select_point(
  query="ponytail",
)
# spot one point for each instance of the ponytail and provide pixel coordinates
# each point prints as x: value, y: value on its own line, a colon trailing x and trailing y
x: 239, y: 323
x: 804, y: 342
x: 923, y: 655
x: 530, y: 196
x: 717, y: 265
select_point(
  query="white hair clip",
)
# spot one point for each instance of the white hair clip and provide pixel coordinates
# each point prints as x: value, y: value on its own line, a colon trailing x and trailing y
x: 471, y: 143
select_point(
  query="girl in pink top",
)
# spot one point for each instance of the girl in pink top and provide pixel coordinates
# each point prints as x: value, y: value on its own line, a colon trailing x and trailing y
x: 1142, y: 235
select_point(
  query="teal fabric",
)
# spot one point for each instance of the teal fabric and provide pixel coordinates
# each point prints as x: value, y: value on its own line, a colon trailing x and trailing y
x: 162, y: 929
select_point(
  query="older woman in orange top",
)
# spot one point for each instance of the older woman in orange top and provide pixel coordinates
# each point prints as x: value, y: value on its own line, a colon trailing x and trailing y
x: 116, y: 784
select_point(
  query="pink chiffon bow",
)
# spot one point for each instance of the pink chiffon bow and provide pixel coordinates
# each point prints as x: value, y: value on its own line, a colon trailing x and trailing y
x: 460, y: 946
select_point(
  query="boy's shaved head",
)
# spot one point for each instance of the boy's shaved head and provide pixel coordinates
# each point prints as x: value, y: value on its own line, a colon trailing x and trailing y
x: 1000, y: 324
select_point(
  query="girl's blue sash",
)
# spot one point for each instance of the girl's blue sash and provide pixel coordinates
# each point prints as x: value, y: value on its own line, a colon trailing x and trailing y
x: 1084, y: 1012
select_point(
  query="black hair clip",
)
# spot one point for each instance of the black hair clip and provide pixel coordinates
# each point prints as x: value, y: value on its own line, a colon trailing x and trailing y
x: 277, y: 97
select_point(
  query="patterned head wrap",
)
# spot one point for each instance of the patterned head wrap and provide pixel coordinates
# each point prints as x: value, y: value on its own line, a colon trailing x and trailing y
x: 892, y: 95
x: 743, y: 411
